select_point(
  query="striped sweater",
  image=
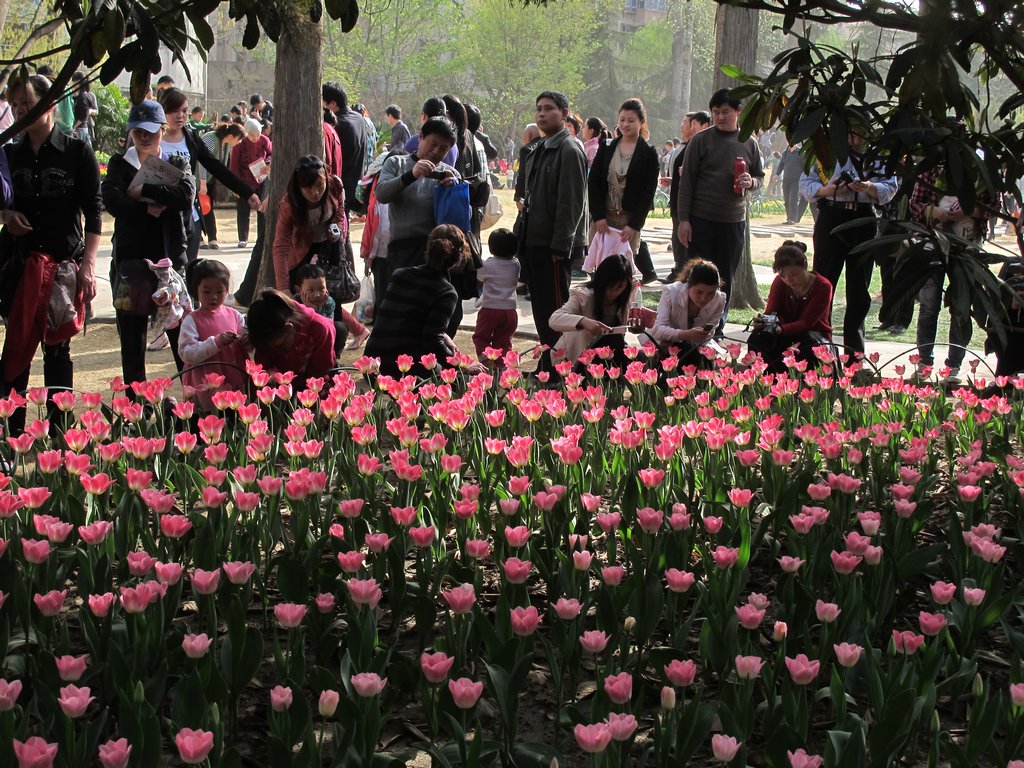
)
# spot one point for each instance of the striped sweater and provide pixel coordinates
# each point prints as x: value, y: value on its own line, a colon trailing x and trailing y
x: 413, y: 317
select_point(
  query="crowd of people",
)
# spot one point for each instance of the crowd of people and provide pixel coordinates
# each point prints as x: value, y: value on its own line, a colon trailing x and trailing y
x: 583, y: 193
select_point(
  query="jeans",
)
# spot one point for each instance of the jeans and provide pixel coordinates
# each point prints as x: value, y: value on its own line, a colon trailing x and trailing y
x: 960, y: 329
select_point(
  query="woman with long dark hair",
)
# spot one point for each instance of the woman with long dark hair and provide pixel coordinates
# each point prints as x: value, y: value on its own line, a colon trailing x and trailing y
x: 596, y: 313
x: 595, y: 133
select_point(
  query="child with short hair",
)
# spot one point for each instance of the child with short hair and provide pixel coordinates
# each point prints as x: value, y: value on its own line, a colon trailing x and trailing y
x: 310, y: 289
x: 211, y: 333
x: 497, y: 319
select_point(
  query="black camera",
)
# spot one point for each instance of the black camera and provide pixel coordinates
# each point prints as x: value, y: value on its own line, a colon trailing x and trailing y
x: 846, y: 178
x: 439, y: 175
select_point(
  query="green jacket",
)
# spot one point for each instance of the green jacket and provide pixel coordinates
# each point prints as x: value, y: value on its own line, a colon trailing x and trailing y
x: 556, y: 194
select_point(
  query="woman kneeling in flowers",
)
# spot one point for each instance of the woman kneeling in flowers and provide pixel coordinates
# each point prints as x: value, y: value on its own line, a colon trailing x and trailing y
x: 288, y: 336
x: 801, y: 302
x: 689, y: 311
x: 596, y: 313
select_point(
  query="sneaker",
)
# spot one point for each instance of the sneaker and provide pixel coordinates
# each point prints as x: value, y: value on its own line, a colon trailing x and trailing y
x: 952, y: 379
x: 923, y: 372
x: 160, y: 342
x: 203, y: 245
x: 214, y: 245
x: 651, y: 277
x: 897, y: 330
x: 358, y: 340
x: 243, y: 244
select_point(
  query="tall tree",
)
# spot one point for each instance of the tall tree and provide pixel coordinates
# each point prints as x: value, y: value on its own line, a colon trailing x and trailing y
x: 736, y: 45
x: 681, y: 12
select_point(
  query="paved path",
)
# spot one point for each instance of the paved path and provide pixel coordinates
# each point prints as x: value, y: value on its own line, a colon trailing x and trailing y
x: 657, y: 236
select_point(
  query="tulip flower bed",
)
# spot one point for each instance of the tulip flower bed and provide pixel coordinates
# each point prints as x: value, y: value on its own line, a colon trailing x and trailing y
x: 791, y: 571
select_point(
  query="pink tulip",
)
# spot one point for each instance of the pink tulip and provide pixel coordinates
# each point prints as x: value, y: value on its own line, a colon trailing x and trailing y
x: 619, y: 687
x: 650, y: 520
x: 906, y: 642
x: 168, y: 573
x: 478, y: 549
x: 205, y: 582
x: 1017, y: 694
x: 460, y: 599
x: 581, y: 560
x: 328, y: 703
x: 973, y: 597
x: 679, y: 581
x: 592, y: 738
x: 800, y: 759
x: 35, y: 752
x: 740, y: 497
x: 931, y: 623
x: 567, y: 609
x: 844, y: 562
x: 9, y: 693
x: 174, y: 526
x: 238, y: 573
x: 100, y: 605
x: 802, y: 669
x: 35, y: 551
x: 518, y: 536
x: 668, y: 698
x: 193, y: 745
x: 115, y: 753
x: 779, y: 631
x: 943, y: 592
x: 612, y: 575
x: 352, y: 561
x: 847, y: 654
x: 750, y: 616
x: 465, y: 692
x: 280, y: 698
x: 51, y: 603
x: 968, y: 493
x: 516, y: 571
x: 790, y: 564
x: 870, y: 522
x: 621, y: 726
x: 196, y: 646
x: 681, y: 673
x: 364, y: 592
x: 525, y: 620
x: 71, y: 668
x: 748, y: 667
x: 139, y: 563
x: 904, y: 508
x: 378, y: 542
x: 368, y: 684
x: 713, y: 525
x: 74, y: 700
x: 724, y: 747
x: 95, y: 533
x: 826, y: 612
x: 725, y: 557
x: 594, y: 641
x: 422, y: 536
x: 290, y: 615
x: 436, y: 666
x: 819, y: 491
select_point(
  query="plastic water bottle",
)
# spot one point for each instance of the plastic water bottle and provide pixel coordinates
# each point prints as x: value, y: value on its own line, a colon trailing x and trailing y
x: 636, y: 306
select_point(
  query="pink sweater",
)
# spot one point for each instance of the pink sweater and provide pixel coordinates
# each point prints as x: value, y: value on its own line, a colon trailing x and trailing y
x: 197, y: 344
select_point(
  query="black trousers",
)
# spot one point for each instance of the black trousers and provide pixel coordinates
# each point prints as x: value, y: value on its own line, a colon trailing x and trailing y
x: 133, y: 331
x: 244, y: 292
x: 242, y: 211
x: 771, y: 346
x: 889, y: 314
x: 58, y: 373
x: 548, y: 278
x: 720, y: 242
x: 832, y: 254
x: 210, y: 219
x: 795, y: 202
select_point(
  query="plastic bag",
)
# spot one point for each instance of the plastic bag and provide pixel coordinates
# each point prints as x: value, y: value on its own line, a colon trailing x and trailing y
x: 451, y: 205
x: 363, y: 308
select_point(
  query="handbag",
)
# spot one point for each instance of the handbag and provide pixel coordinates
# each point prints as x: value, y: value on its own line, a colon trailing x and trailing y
x: 342, y: 283
x: 451, y: 205
x: 492, y: 212
x: 132, y: 283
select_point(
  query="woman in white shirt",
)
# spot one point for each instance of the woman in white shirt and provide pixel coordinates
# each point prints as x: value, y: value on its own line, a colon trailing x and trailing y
x: 689, y: 311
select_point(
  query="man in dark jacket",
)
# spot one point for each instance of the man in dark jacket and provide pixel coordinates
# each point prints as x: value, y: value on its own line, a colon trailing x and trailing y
x: 553, y: 221
x: 352, y: 133
x: 694, y: 122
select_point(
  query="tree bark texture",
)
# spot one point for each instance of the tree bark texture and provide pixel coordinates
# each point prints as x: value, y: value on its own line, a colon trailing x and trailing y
x: 682, y: 55
x: 736, y: 44
x: 298, y: 113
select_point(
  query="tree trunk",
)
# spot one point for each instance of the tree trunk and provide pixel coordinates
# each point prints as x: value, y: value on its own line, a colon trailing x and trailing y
x: 682, y: 54
x: 736, y: 44
x: 298, y: 113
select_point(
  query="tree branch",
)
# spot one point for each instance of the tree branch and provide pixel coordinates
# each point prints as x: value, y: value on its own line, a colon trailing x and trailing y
x: 21, y: 56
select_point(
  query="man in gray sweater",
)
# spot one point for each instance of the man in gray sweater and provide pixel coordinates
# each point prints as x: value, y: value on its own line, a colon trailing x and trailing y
x: 712, y: 214
x: 553, y: 221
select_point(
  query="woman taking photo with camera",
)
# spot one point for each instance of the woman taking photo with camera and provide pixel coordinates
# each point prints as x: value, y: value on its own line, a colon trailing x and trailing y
x: 798, y: 310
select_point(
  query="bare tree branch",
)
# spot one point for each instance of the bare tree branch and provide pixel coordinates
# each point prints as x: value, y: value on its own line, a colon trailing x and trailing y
x: 21, y: 56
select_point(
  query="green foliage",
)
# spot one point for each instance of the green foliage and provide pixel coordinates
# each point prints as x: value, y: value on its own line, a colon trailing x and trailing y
x: 112, y: 121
